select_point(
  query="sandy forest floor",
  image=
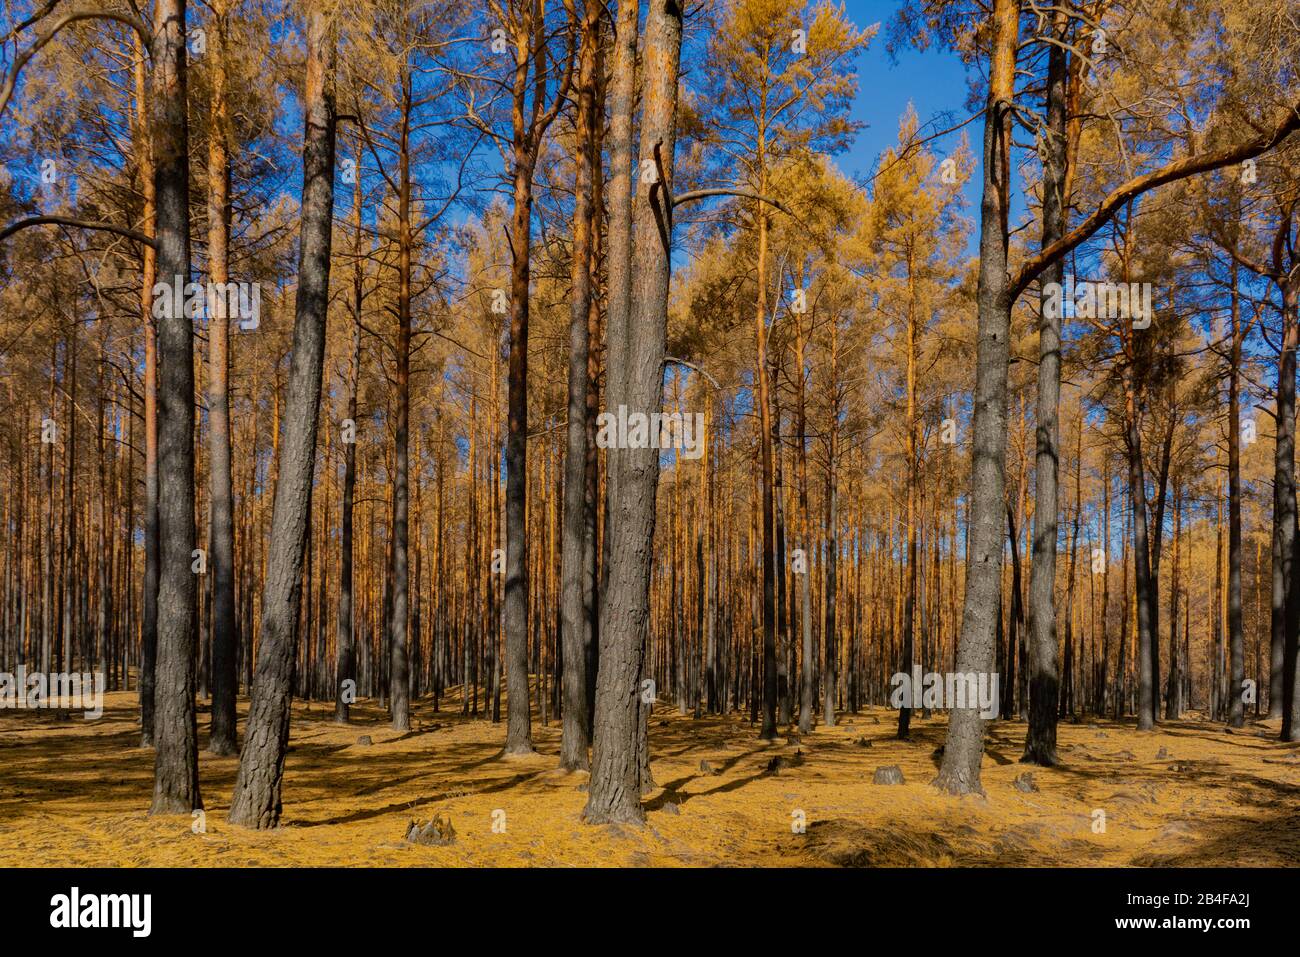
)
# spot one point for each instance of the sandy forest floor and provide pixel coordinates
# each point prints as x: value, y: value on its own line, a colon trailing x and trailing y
x: 75, y: 792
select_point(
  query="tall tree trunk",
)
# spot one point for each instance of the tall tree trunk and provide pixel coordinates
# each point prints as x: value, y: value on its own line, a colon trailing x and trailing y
x: 256, y: 801
x: 101, y: 637
x: 528, y: 126
x: 1157, y: 547
x: 399, y: 623
x: 69, y: 580
x: 221, y: 563
x: 912, y: 478
x: 595, y: 362
x: 1103, y: 676
x: 1044, y: 679
x: 808, y: 684
x: 1174, y: 699
x: 1236, y: 639
x: 621, y: 692
x: 768, y: 730
x: 575, y: 621
x: 1073, y: 688
x: 832, y: 530
x: 783, y: 645
x: 345, y: 652
x: 149, y: 599
x: 176, y: 764
x: 829, y: 637
x: 1286, y: 592
x: 519, y: 739
x: 1142, y: 583
x: 1216, y: 645
x: 960, y: 770
x: 48, y: 571
x: 622, y: 165
x: 1125, y: 622
x: 618, y: 742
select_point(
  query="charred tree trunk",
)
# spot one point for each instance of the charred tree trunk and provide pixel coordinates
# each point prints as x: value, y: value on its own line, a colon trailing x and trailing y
x: 399, y: 687
x: 149, y: 599
x: 528, y: 126
x: 1044, y: 678
x: 964, y: 748
x: 808, y: 677
x: 763, y: 401
x: 1236, y: 638
x: 1174, y: 697
x: 222, y: 561
x: 619, y: 742
x: 176, y: 765
x: 909, y: 590
x: 575, y: 621
x: 345, y: 651
x: 832, y: 569
x: 1286, y: 588
x: 256, y: 801
x: 1142, y: 583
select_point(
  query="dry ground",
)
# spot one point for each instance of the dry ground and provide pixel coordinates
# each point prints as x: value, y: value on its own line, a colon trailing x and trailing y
x: 75, y: 792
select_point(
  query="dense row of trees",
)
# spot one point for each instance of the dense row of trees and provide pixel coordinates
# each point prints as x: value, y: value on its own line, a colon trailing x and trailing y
x: 514, y: 217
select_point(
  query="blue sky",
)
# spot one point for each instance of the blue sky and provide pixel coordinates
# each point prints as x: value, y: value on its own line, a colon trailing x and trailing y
x: 933, y: 82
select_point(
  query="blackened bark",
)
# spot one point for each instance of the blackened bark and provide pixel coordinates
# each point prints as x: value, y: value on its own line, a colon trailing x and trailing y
x: 149, y: 600
x: 909, y: 590
x: 832, y: 496
x: 1284, y: 514
x: 345, y: 651
x: 1015, y: 621
x: 519, y: 738
x: 808, y: 677
x: 176, y: 764
x: 1157, y: 548
x: 1044, y: 678
x: 528, y: 127
x: 595, y: 361
x: 1174, y: 696
x: 399, y: 687
x: 783, y: 646
x: 761, y: 377
x: 1141, y: 554
x: 1104, y: 671
x: 1278, y: 686
x: 618, y: 746
x: 574, y: 624
x: 960, y: 770
x: 622, y: 102
x: 221, y: 564
x: 1236, y: 640
x: 832, y: 569
x: 256, y: 801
